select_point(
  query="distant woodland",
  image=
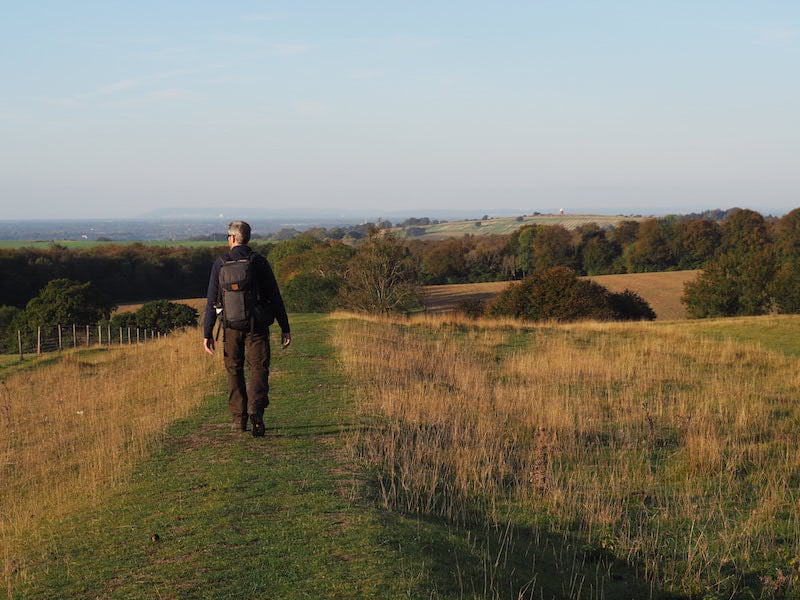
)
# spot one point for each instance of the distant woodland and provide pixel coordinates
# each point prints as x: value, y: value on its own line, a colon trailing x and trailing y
x: 757, y: 255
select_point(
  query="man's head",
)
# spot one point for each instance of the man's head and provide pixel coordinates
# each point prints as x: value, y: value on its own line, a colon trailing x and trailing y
x: 238, y: 233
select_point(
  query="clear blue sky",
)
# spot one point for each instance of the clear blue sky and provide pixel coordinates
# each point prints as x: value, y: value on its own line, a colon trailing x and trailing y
x: 112, y: 109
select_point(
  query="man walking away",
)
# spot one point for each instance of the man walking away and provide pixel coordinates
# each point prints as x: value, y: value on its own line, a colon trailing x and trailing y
x: 243, y: 286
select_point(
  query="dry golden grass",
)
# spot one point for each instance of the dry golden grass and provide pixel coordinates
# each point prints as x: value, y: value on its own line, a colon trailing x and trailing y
x: 671, y: 451
x: 662, y: 291
x: 71, y: 431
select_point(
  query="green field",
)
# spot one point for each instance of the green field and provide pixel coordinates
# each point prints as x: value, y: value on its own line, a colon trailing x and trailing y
x: 301, y: 514
x: 11, y: 244
x: 238, y: 517
x: 508, y: 225
x: 778, y: 333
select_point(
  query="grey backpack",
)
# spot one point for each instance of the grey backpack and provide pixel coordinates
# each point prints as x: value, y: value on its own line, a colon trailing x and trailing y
x: 239, y: 291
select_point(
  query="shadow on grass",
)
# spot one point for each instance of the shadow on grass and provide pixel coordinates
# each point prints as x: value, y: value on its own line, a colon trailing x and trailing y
x: 311, y: 431
x: 511, y: 562
x: 16, y: 365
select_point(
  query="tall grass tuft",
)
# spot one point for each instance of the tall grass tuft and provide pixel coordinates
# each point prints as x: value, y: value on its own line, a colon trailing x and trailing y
x: 677, y: 454
x: 73, y: 430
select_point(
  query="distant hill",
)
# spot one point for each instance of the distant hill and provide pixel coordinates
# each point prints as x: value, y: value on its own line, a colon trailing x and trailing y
x: 505, y: 225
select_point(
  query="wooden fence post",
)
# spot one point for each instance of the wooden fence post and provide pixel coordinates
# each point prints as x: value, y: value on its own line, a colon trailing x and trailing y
x: 38, y: 341
x: 137, y: 336
x: 87, y: 336
x: 74, y: 337
x: 60, y: 347
x: 120, y: 336
x: 129, y: 335
x: 19, y: 341
x: 109, y: 335
x: 99, y: 335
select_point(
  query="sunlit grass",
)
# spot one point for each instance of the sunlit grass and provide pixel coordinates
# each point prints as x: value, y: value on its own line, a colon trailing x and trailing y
x: 72, y: 430
x: 655, y: 443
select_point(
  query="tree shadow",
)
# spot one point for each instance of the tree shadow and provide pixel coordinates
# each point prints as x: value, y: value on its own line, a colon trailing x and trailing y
x: 476, y: 559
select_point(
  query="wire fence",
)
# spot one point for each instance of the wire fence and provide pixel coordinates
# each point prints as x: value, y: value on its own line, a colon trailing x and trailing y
x: 63, y: 337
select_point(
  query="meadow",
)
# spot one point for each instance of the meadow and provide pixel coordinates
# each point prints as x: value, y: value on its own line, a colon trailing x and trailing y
x: 434, y: 457
x: 671, y: 449
x: 74, y: 426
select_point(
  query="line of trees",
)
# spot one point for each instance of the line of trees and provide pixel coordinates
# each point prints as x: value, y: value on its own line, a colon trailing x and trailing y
x: 65, y: 302
x: 750, y: 266
x: 754, y: 271
x: 630, y: 247
x: 137, y: 272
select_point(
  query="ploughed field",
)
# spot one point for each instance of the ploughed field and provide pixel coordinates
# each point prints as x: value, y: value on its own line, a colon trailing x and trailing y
x: 662, y: 291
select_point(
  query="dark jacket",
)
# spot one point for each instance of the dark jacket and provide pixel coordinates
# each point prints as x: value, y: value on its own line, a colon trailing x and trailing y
x: 266, y: 281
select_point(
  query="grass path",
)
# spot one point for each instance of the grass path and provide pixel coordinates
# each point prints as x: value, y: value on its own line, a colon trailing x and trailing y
x: 239, y: 517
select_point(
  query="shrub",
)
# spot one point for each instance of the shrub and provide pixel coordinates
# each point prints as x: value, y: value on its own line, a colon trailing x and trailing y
x: 787, y: 288
x: 732, y: 285
x: 64, y: 301
x: 630, y: 306
x: 380, y: 278
x: 123, y: 320
x: 8, y: 334
x: 309, y: 292
x: 559, y: 294
x: 165, y: 316
x: 474, y: 308
x: 555, y: 294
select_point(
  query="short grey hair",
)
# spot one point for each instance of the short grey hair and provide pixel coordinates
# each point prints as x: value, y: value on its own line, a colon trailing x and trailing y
x: 240, y: 231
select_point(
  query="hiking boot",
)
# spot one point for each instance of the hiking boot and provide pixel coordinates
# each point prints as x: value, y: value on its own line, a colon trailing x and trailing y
x: 258, y: 429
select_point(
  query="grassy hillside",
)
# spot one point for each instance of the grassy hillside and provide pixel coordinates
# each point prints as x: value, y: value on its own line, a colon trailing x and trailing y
x: 236, y: 517
x: 507, y: 225
x: 662, y: 290
x: 660, y: 458
x: 449, y: 461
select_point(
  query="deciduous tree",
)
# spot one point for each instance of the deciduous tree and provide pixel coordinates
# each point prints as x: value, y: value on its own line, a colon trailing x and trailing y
x: 64, y: 301
x: 380, y: 278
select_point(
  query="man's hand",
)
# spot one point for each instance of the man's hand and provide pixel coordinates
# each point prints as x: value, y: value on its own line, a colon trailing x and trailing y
x: 208, y: 345
x: 286, y: 339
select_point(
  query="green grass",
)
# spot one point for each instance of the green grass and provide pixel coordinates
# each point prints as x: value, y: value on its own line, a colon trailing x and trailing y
x: 279, y: 517
x: 778, y: 333
x: 236, y: 516
x: 290, y: 516
x: 10, y: 363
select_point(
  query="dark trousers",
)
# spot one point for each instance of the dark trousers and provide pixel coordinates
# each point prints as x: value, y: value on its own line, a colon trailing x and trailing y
x: 253, y: 348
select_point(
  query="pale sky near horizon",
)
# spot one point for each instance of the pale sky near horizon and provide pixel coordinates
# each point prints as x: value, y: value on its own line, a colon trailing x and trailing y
x: 113, y: 109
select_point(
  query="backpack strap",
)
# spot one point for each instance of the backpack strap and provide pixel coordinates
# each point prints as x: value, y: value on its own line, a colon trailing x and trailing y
x: 253, y: 290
